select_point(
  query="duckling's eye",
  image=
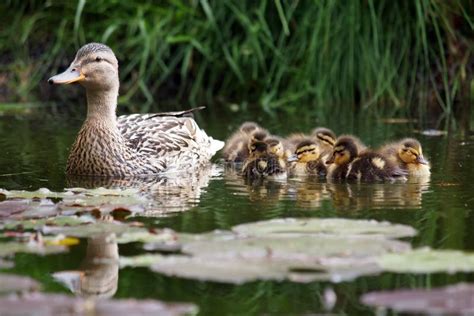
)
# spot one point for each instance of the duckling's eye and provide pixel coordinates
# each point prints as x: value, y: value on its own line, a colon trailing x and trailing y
x: 98, y: 58
x: 252, y: 148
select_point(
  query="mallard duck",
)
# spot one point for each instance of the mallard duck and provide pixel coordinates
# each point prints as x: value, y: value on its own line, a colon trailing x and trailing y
x: 348, y: 162
x: 262, y: 163
x: 236, y: 148
x: 307, y: 160
x: 130, y: 145
x: 408, y: 155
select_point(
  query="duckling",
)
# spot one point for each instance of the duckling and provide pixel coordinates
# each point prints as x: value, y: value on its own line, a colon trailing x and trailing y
x: 350, y: 163
x: 408, y: 155
x: 325, y: 138
x: 236, y: 149
x: 128, y: 145
x: 261, y: 162
x: 307, y: 160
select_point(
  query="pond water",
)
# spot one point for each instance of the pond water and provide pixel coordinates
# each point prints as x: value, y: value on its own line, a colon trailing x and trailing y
x: 34, y: 153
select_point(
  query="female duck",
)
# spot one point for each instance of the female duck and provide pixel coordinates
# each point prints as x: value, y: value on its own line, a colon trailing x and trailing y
x: 138, y: 144
x: 408, y: 155
x: 348, y: 162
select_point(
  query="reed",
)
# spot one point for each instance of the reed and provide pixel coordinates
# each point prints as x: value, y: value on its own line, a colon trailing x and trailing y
x: 388, y: 57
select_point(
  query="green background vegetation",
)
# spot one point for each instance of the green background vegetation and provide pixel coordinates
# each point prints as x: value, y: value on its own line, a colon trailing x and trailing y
x: 409, y: 57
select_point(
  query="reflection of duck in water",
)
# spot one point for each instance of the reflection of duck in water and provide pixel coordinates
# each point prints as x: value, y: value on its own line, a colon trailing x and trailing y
x: 363, y: 196
x: 130, y: 145
x: 99, y: 271
x: 164, y: 194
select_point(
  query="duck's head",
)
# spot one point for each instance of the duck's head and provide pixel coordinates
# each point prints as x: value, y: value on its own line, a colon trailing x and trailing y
x: 306, y: 151
x: 257, y: 148
x: 345, y: 150
x: 95, y: 67
x: 410, y: 152
x: 275, y: 146
x: 325, y: 136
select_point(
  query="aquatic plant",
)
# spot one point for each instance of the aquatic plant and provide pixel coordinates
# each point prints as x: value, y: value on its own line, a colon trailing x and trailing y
x: 391, y: 56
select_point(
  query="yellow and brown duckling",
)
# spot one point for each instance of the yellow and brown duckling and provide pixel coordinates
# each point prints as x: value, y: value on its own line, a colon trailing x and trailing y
x: 262, y: 163
x: 348, y: 162
x: 236, y: 149
x: 408, y: 155
x: 307, y: 160
x: 128, y: 145
x: 325, y: 137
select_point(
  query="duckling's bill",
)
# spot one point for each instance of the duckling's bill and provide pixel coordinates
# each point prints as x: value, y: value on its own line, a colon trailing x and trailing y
x: 69, y: 76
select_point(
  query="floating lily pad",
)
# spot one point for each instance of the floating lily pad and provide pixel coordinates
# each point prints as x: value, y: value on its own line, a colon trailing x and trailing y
x: 25, y: 208
x: 427, y: 260
x: 11, y: 248
x: 166, y: 236
x: 52, y: 221
x: 299, y: 255
x: 451, y: 300
x: 91, y: 230
x: 55, y: 304
x: 290, y: 248
x: 14, y: 283
x: 331, y: 226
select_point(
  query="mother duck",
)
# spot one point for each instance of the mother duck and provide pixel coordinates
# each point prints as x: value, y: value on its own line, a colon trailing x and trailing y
x: 128, y: 145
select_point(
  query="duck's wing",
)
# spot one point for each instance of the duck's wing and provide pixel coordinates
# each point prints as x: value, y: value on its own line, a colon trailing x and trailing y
x: 185, y: 113
x: 177, y: 140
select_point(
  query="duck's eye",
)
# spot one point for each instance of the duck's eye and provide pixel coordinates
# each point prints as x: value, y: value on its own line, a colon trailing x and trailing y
x: 98, y: 58
x: 252, y: 148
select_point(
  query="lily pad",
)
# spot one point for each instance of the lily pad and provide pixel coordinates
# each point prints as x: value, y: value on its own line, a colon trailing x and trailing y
x: 329, y: 226
x: 91, y: 230
x: 25, y: 208
x: 11, y: 248
x: 237, y: 257
x: 14, y: 283
x: 426, y: 260
x: 450, y: 300
x: 165, y: 236
x: 56, y: 304
x: 52, y: 221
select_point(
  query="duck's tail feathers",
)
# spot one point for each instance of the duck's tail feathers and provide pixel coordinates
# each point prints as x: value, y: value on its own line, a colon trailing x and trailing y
x: 216, y: 145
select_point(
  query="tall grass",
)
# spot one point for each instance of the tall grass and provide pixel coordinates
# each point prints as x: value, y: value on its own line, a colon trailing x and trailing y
x: 387, y: 56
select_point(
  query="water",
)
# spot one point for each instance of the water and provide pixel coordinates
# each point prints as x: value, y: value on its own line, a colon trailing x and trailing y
x: 34, y: 153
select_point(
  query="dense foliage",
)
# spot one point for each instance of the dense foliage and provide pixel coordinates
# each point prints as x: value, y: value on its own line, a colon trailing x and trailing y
x: 409, y: 55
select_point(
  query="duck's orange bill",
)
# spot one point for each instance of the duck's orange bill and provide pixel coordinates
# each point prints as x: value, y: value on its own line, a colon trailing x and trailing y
x: 69, y: 76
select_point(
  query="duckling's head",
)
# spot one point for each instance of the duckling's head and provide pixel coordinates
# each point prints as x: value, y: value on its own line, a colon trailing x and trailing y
x: 410, y: 152
x: 275, y: 146
x: 307, y: 151
x: 325, y: 136
x: 249, y: 127
x: 257, y: 148
x: 95, y: 67
x: 345, y: 150
x: 259, y: 135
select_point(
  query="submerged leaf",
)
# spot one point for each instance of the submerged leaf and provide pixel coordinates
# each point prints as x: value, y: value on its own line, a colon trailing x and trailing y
x: 450, y: 300
x: 14, y: 283
x: 331, y: 226
x: 427, y: 260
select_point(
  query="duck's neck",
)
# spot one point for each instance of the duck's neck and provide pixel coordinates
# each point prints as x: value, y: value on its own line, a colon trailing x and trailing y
x: 101, y: 106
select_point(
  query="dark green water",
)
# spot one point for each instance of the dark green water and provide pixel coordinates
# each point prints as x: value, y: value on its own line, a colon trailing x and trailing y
x: 34, y: 152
